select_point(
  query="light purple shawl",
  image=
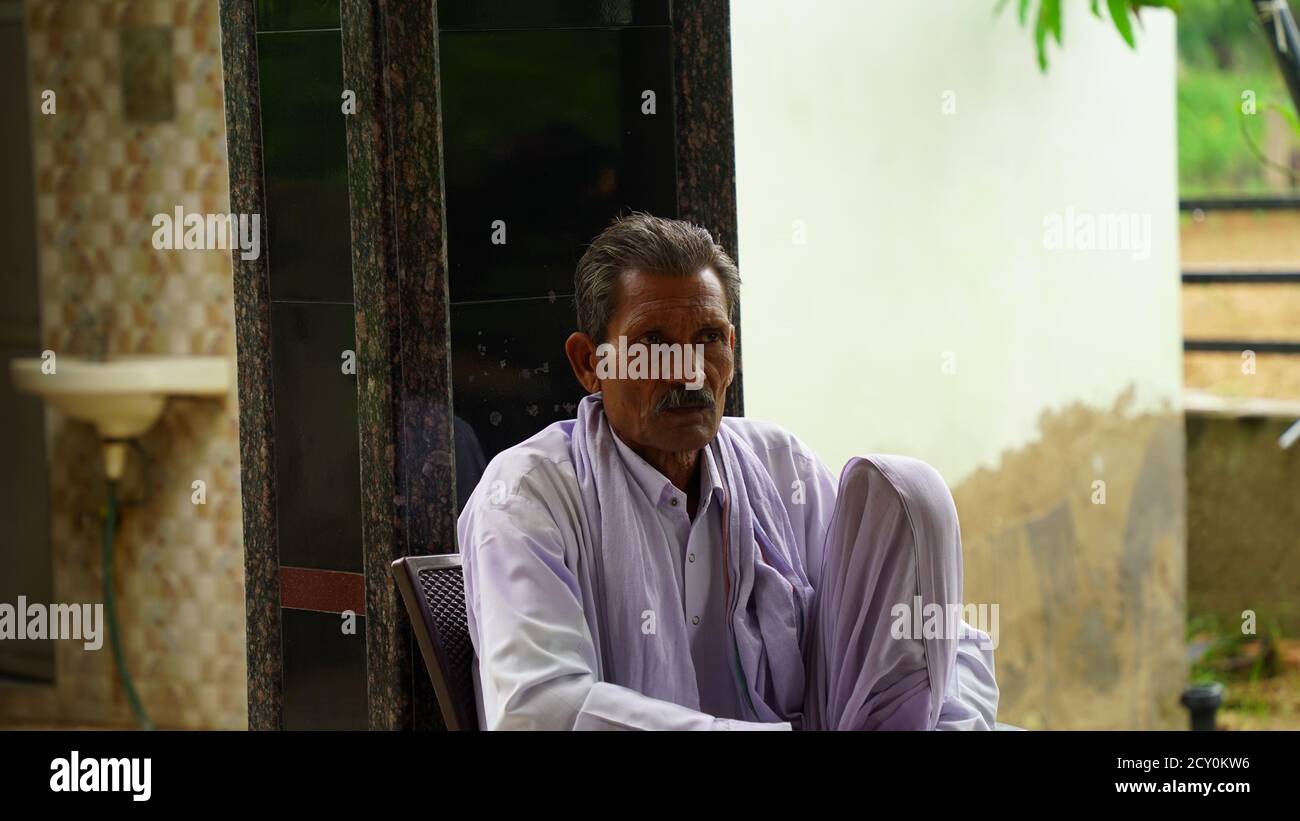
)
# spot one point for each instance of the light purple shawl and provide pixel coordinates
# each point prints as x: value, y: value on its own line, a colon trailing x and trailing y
x: 630, y: 562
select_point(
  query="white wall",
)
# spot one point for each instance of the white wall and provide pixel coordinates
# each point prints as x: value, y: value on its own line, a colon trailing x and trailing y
x: 925, y: 230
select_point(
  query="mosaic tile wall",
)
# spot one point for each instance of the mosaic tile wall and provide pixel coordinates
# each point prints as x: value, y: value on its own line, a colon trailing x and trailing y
x: 100, y: 179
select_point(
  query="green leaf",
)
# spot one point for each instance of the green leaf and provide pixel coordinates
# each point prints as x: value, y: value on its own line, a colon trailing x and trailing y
x: 1024, y: 11
x: 1096, y: 9
x: 1052, y: 9
x: 1040, y: 38
x: 1119, y: 15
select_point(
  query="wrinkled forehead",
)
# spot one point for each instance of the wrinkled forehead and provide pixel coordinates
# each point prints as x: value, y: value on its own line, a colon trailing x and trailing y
x: 670, y: 298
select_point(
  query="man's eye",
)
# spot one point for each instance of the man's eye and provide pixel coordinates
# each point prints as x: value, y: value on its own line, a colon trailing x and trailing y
x: 712, y: 336
x: 652, y: 339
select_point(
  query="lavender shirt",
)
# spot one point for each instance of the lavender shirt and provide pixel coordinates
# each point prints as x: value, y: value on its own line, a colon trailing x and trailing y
x: 534, y: 602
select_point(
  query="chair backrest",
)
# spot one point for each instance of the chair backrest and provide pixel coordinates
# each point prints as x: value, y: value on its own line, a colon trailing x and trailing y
x: 434, y: 591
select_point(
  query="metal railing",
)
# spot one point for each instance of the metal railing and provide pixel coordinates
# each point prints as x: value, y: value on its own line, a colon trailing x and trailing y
x: 1245, y: 276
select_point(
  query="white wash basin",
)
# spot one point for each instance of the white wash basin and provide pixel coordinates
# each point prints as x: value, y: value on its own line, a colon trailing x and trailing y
x: 122, y: 397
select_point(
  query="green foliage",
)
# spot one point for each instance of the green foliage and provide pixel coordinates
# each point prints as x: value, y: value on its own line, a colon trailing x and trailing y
x: 1047, y: 20
x: 1224, y: 659
x: 1222, y: 54
x: 1213, y: 156
x: 1119, y: 14
x: 1222, y: 35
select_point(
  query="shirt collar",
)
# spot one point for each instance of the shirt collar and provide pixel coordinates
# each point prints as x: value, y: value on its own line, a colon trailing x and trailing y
x: 710, y: 478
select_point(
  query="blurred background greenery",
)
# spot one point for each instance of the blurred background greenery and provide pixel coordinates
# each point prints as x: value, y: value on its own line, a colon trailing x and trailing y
x: 1221, y: 54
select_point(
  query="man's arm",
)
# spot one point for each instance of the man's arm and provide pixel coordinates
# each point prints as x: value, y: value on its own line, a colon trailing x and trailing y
x: 536, y: 656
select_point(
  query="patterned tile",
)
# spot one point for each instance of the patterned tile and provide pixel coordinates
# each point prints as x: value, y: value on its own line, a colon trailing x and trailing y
x: 99, y: 181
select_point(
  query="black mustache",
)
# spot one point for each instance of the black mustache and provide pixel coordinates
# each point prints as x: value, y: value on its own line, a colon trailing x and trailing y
x: 681, y: 397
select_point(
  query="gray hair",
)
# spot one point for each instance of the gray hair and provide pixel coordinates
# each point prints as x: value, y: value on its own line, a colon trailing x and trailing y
x: 643, y: 242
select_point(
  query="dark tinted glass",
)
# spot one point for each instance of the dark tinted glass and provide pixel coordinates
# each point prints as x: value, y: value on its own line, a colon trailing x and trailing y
x: 544, y: 132
x: 317, y: 456
x: 324, y: 672
x: 477, y: 14
x: 306, y: 165
x: 510, y: 374
x: 280, y: 15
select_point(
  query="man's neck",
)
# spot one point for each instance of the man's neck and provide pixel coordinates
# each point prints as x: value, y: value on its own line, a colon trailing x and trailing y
x: 682, y: 468
x: 679, y: 467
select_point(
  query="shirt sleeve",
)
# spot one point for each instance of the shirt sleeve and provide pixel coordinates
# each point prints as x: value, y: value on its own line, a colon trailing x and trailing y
x: 536, y: 656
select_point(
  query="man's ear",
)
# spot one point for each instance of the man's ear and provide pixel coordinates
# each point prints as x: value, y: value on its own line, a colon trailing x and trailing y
x: 581, y: 351
x: 731, y: 343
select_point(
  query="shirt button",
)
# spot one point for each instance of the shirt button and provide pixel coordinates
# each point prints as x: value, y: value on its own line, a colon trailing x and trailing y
x: 695, y: 620
x: 690, y: 558
x: 673, y: 503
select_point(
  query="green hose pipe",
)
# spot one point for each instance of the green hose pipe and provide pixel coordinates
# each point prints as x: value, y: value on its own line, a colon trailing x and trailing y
x: 110, y: 605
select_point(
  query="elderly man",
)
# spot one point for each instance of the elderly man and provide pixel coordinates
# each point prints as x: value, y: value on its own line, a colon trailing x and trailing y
x: 652, y: 564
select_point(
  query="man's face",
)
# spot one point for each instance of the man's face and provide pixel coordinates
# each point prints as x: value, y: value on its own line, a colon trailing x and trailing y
x: 687, y: 311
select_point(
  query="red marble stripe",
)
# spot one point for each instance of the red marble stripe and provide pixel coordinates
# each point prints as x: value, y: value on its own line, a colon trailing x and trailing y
x: 326, y: 591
